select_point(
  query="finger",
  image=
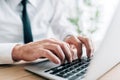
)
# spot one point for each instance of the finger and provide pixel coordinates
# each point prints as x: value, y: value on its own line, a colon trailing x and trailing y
x: 75, y: 41
x: 48, y: 54
x: 87, y: 44
x: 74, y: 52
x: 67, y: 51
x: 65, y: 48
x: 71, y: 49
x: 63, y: 45
x: 56, y: 49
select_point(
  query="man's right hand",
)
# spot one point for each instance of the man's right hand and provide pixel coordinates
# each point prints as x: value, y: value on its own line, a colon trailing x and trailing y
x: 55, y: 50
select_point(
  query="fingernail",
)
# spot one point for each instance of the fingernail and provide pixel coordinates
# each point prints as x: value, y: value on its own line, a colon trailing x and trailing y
x: 58, y: 62
x: 71, y: 59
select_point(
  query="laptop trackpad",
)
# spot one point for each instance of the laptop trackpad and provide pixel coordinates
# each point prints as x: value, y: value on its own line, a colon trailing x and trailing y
x: 41, y: 66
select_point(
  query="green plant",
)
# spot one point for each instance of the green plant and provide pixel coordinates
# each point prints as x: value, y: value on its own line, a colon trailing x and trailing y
x: 93, y: 19
x: 75, y: 22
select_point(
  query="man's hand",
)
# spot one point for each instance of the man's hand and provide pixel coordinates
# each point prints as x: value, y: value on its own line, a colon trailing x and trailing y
x: 56, y: 51
x: 78, y: 42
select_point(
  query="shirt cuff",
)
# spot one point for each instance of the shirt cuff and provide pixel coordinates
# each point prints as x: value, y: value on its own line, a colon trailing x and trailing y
x: 6, y: 53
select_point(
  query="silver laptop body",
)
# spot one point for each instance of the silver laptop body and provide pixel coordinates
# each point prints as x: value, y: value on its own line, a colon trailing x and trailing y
x: 106, y: 57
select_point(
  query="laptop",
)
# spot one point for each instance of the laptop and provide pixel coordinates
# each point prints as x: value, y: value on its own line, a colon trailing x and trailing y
x: 105, y: 58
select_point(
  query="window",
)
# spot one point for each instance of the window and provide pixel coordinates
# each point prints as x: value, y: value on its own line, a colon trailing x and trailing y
x: 92, y: 17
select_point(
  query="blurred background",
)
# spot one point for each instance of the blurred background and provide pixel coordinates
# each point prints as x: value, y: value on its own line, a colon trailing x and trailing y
x: 91, y: 17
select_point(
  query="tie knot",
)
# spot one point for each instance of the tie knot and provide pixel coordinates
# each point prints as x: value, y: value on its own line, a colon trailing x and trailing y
x: 24, y: 2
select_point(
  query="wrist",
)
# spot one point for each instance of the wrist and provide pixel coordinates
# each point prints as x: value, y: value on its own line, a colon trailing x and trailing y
x: 16, y: 53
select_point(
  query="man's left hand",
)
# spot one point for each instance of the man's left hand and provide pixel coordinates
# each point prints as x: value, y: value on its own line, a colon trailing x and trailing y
x: 78, y: 42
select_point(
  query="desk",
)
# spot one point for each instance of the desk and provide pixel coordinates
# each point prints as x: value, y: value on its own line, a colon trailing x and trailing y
x: 17, y: 72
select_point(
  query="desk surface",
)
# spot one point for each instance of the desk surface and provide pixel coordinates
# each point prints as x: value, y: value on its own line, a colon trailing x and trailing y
x: 17, y: 72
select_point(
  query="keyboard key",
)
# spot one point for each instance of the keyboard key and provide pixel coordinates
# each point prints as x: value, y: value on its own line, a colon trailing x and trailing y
x: 73, y: 71
x: 73, y: 78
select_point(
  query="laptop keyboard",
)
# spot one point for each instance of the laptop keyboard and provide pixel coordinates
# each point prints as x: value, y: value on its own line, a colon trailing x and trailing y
x: 75, y: 70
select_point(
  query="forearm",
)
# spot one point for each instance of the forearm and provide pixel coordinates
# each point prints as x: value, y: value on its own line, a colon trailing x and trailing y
x: 63, y: 31
x: 60, y: 24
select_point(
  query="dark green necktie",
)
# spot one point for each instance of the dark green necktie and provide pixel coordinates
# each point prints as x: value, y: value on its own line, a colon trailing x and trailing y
x: 26, y: 23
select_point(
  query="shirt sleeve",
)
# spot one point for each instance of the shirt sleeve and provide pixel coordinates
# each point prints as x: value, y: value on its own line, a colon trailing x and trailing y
x: 60, y: 24
x: 6, y: 53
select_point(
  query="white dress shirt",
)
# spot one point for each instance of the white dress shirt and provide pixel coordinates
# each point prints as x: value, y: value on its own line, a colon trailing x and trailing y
x: 43, y: 14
